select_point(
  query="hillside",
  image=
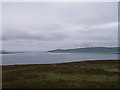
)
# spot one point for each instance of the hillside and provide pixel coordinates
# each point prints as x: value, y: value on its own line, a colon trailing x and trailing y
x: 89, y: 49
x: 85, y: 74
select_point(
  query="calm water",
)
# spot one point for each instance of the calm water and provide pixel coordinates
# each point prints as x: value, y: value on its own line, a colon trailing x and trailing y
x: 45, y: 58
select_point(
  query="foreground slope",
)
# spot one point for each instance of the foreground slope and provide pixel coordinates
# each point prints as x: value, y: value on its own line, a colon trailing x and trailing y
x: 84, y: 74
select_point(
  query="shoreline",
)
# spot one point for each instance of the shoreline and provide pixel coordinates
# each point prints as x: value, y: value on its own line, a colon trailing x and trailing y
x: 60, y: 63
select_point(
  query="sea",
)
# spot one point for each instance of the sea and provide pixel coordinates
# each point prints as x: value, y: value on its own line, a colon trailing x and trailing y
x: 50, y: 58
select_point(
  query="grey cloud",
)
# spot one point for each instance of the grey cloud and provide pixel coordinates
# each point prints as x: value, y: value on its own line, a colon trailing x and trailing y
x: 60, y: 25
x: 25, y: 35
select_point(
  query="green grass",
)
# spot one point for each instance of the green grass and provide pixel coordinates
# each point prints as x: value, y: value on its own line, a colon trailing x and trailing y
x: 85, y: 74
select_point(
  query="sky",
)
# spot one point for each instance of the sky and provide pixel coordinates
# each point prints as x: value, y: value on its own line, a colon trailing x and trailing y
x: 41, y: 26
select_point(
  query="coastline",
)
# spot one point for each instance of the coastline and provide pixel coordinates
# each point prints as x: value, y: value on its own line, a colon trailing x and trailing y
x: 59, y: 63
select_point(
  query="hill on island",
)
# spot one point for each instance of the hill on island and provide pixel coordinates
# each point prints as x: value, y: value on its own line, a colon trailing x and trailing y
x: 87, y: 50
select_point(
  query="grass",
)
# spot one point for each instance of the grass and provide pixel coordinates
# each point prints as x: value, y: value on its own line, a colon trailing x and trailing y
x: 85, y: 74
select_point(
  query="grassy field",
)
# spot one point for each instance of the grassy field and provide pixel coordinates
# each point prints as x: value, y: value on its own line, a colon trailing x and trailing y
x: 85, y: 74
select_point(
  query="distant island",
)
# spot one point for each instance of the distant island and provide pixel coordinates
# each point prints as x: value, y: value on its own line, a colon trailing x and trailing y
x: 88, y: 50
x: 6, y: 52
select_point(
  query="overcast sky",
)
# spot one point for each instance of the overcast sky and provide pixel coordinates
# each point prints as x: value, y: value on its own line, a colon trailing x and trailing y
x: 45, y: 26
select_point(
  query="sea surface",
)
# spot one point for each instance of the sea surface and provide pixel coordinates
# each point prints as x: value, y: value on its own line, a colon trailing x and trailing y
x: 47, y: 57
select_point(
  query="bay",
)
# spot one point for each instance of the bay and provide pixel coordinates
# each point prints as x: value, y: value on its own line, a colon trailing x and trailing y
x: 47, y: 58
